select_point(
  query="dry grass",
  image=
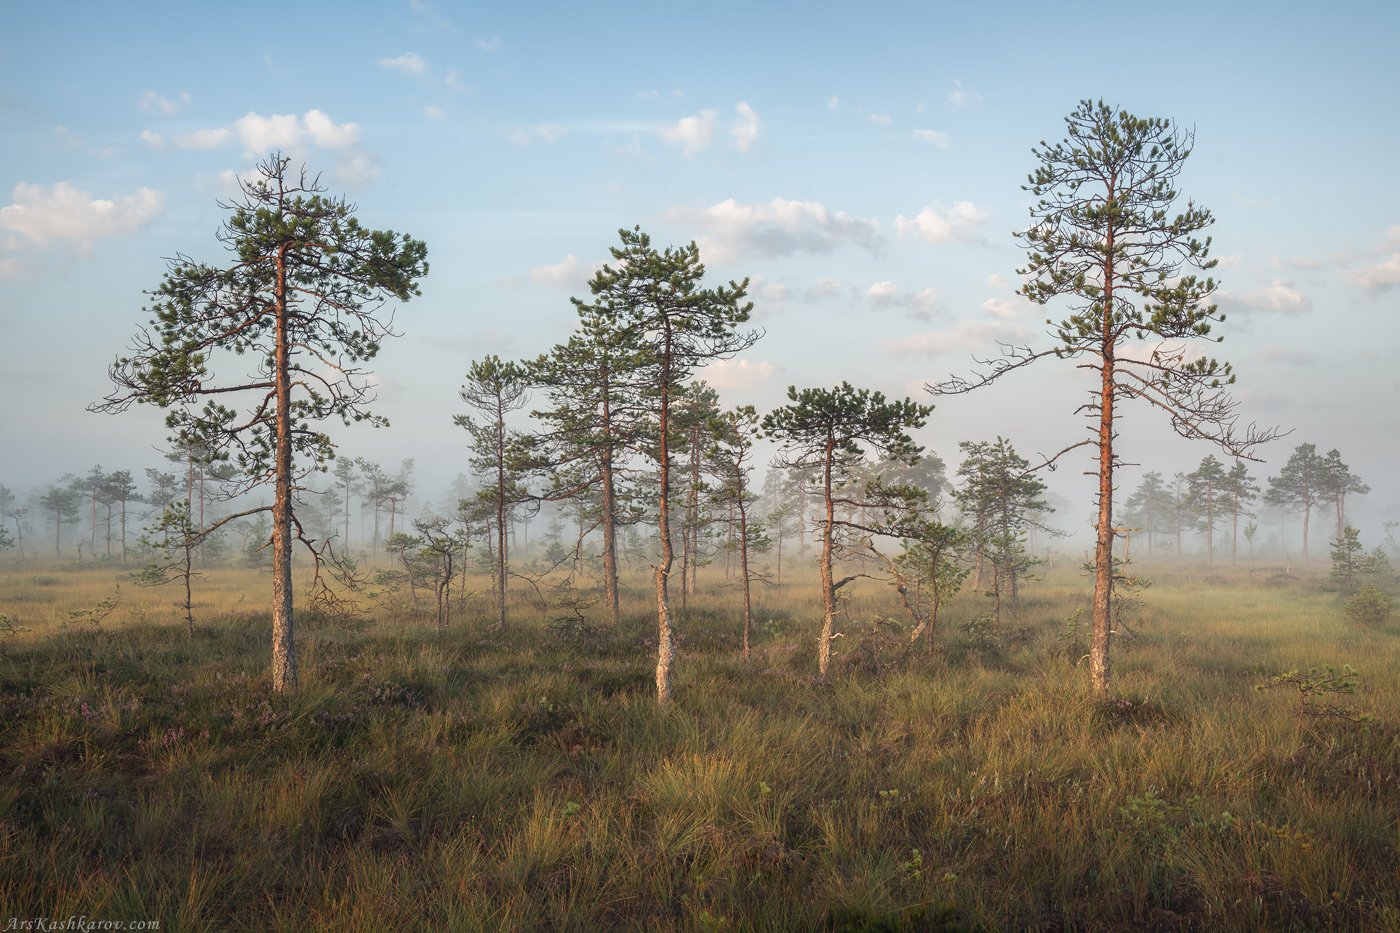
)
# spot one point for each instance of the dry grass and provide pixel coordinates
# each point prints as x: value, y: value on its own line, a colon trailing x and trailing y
x: 523, y: 779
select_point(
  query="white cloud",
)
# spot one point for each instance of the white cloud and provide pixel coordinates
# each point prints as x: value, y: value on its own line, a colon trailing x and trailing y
x: 567, y: 274
x: 492, y: 44
x: 203, y: 139
x: 879, y: 119
x: 881, y: 294
x: 963, y: 336
x: 409, y: 63
x: 918, y: 305
x: 62, y: 212
x: 776, y: 293
x: 329, y: 135
x: 434, y: 112
x: 960, y: 99
x: 778, y: 228
x: 738, y: 375
x: 1005, y: 308
x: 1230, y: 261
x: 549, y: 132
x: 921, y: 304
x: 745, y: 129
x: 998, y: 282
x: 261, y: 134
x: 941, y: 140
x: 833, y: 103
x: 692, y: 133
x: 1280, y: 296
x: 151, y: 102
x: 939, y: 225
x: 285, y: 131
x: 1380, y: 277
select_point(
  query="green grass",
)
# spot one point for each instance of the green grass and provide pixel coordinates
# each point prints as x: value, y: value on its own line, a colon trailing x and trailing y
x: 515, y: 779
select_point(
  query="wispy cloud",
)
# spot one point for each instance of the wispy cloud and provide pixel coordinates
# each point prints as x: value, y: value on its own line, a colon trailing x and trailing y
x: 745, y: 128
x: 938, y: 225
x: 453, y: 79
x: 568, y: 274
x: 548, y: 132
x: 738, y: 375
x: 825, y: 288
x: 940, y: 140
x: 919, y: 305
x: 1384, y: 275
x: 966, y: 335
x: 409, y: 63
x: 1280, y: 297
x: 151, y: 102
x: 778, y: 228
x: 959, y: 98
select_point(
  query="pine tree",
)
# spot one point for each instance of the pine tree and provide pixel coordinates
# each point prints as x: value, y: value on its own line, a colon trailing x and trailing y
x: 300, y: 302
x: 494, y: 389
x: 1348, y: 559
x: 1242, y: 490
x: 1102, y: 235
x: 656, y: 296
x: 1340, y: 483
x: 1204, y: 498
x: 1301, y: 484
x: 829, y: 430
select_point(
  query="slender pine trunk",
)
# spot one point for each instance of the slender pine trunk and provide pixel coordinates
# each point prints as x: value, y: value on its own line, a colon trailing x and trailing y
x: 828, y: 583
x: 665, y: 651
x: 284, y: 661
x: 1100, y: 672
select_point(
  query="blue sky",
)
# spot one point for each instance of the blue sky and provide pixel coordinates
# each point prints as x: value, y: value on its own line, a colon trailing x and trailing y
x: 862, y: 164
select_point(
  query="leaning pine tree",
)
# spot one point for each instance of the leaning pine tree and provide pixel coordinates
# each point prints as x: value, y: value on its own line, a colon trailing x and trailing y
x: 302, y: 301
x: 1103, y: 237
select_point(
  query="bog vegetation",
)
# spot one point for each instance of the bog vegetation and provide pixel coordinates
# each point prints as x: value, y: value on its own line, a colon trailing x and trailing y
x: 523, y: 777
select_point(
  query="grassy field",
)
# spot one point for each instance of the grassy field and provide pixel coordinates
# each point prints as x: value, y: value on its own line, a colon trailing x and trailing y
x: 522, y: 778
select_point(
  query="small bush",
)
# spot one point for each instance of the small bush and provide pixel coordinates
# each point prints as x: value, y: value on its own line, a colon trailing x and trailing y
x: 1370, y: 606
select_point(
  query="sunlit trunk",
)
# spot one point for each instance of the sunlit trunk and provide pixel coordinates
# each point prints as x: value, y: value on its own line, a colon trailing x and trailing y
x: 828, y: 583
x: 1100, y: 673
x: 665, y: 652
x: 284, y: 661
